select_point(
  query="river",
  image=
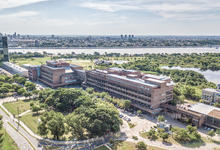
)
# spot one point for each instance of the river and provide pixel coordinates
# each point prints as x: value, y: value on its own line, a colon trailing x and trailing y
x: 212, y: 76
x: 121, y: 50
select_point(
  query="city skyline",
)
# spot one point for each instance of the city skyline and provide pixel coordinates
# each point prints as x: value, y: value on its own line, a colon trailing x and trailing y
x: 110, y: 17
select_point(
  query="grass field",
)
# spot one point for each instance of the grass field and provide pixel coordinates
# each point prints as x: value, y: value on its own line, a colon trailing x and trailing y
x: 30, y: 121
x: 122, y: 145
x: 102, y: 148
x: 8, y: 143
x: 22, y: 105
x: 31, y: 61
x: 87, y: 64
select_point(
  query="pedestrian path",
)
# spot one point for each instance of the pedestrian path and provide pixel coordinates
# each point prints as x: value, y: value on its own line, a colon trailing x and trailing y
x: 24, y: 113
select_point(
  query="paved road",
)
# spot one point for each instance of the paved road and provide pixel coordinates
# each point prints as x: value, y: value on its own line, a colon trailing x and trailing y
x: 19, y: 139
x: 144, y: 124
x: 18, y: 136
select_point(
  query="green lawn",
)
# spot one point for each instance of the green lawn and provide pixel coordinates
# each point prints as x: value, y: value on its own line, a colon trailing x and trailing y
x: 31, y: 121
x: 86, y: 64
x: 102, y: 148
x: 38, y: 61
x: 8, y: 143
x: 122, y: 145
x: 31, y: 61
x: 21, y: 106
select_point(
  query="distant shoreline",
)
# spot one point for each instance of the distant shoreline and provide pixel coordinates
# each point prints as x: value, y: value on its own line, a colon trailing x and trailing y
x: 131, y: 51
x: 106, y: 47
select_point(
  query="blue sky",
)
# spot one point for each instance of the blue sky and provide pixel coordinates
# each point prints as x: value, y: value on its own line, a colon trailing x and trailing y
x: 110, y: 17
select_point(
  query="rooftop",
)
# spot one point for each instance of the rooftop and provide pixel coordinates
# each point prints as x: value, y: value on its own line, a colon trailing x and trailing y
x: 203, y: 108
x: 154, y: 80
x: 14, y: 66
x: 156, y: 77
x: 215, y: 113
x: 133, y: 80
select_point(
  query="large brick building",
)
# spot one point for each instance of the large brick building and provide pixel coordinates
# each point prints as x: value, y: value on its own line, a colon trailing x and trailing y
x: 147, y: 92
x: 56, y: 73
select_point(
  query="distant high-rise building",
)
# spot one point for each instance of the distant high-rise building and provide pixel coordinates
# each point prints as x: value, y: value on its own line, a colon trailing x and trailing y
x: 36, y: 43
x: 4, y: 48
x: 14, y: 35
x: 122, y: 36
x: 126, y: 36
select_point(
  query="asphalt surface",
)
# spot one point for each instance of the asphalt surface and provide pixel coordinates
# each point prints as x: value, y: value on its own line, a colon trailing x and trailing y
x: 21, y: 137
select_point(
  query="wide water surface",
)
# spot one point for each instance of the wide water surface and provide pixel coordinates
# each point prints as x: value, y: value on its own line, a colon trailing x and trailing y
x: 121, y: 50
x: 212, y: 76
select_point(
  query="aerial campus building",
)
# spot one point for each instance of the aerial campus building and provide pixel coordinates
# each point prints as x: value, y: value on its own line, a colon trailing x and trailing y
x: 149, y: 93
x: 146, y: 92
x: 4, y: 48
x: 57, y: 73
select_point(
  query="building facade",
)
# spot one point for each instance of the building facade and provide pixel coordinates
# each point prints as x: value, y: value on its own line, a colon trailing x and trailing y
x: 56, y: 73
x: 198, y: 114
x: 4, y: 48
x: 146, y: 92
x: 211, y: 95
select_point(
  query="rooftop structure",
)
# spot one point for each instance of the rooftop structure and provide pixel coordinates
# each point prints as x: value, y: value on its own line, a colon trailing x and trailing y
x: 202, y: 108
x: 146, y: 92
x: 198, y: 114
x: 56, y: 73
x: 211, y: 95
x: 15, y: 69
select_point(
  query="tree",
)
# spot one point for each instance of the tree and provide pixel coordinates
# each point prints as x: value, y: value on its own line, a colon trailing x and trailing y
x: 26, y: 94
x: 1, y: 132
x: 160, y: 118
x: 90, y: 90
x: 139, y: 112
x: 127, y: 104
x: 211, y: 133
x: 190, y: 134
x: 141, y: 146
x: 4, y: 90
x: 56, y: 125
x: 21, y: 91
x: 152, y: 134
x: 164, y: 136
x: 42, y: 129
x: 35, y: 108
x: 20, y: 80
x: 218, y: 132
x: 75, y: 123
x: 30, y: 86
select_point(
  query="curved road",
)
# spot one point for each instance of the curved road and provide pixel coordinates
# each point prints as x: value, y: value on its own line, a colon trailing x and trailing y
x: 21, y: 137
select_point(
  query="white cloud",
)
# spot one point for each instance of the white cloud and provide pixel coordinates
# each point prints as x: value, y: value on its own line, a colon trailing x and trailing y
x: 16, y: 3
x: 108, y: 6
x: 178, y: 9
x: 20, y: 14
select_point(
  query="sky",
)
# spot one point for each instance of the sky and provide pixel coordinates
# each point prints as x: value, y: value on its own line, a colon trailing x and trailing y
x: 110, y: 17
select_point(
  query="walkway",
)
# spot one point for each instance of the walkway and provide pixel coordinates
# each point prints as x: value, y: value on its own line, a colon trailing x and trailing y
x: 22, y: 136
x: 24, y: 113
